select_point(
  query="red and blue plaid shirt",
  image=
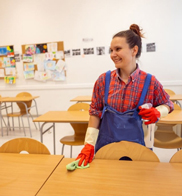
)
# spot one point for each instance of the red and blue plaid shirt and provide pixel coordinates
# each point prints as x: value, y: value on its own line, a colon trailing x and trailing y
x: 123, y: 97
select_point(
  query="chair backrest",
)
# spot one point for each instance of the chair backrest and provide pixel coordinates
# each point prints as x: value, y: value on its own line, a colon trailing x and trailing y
x: 21, y: 105
x: 176, y: 107
x: 177, y: 157
x: 79, y: 128
x: 131, y: 150
x: 29, y: 145
x: 169, y: 92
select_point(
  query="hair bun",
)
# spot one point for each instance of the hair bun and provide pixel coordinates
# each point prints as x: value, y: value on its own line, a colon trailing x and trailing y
x: 136, y: 29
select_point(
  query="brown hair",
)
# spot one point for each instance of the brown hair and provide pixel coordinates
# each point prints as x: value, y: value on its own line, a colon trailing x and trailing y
x: 133, y: 37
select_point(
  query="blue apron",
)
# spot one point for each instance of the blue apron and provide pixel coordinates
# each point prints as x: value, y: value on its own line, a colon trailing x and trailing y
x: 117, y: 126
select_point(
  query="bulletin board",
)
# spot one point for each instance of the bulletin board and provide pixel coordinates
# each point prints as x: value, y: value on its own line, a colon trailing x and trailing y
x: 7, y: 62
x: 44, y: 61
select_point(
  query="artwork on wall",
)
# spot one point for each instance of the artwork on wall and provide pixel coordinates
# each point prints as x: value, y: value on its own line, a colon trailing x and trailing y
x: 47, y: 62
x: 3, y: 51
x: 30, y: 49
x: 41, y: 48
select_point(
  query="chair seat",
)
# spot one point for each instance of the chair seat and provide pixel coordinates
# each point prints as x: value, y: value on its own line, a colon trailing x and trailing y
x: 72, y: 140
x: 167, y: 139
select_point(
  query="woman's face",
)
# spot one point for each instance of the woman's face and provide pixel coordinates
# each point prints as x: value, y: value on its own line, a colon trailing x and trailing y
x: 121, y: 54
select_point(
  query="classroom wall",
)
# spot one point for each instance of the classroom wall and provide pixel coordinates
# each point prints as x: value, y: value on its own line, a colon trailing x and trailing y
x: 40, y: 21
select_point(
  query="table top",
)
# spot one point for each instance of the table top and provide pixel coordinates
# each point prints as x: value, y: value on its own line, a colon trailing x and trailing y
x: 112, y: 177
x: 24, y: 174
x: 175, y: 97
x: 16, y: 99
x: 64, y: 117
x: 175, y: 117
x: 86, y: 98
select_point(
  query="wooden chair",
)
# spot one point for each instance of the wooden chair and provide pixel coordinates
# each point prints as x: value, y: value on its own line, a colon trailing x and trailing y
x: 165, y: 137
x: 177, y: 157
x: 3, y: 106
x: 77, y: 139
x: 29, y: 145
x: 129, y: 150
x: 171, y: 92
x: 24, y: 110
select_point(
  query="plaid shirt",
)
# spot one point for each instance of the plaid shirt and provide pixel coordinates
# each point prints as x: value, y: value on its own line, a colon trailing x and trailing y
x: 123, y: 97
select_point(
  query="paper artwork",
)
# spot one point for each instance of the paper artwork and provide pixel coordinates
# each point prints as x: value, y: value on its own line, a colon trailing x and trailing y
x: 41, y: 48
x: 49, y: 65
x: 10, y: 71
x: 59, y: 55
x: 61, y: 65
x: 3, y: 51
x: 1, y: 72
x: 12, y: 61
x: 10, y: 79
x: 52, y: 47
x: 10, y: 51
x: 42, y: 76
x: 58, y: 76
x: 29, y: 67
x: 27, y: 58
x: 88, y: 51
x: 7, y: 62
x: 28, y: 74
x: 1, y: 62
x: 30, y: 49
x: 49, y: 56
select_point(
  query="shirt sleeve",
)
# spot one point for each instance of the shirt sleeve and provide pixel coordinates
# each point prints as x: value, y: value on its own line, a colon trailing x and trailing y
x: 161, y: 97
x: 97, y: 104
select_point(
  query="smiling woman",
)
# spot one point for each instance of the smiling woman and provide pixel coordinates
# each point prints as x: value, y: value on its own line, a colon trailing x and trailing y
x: 116, y: 110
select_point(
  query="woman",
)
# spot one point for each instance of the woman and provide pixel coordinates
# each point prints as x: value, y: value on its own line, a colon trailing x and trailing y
x: 124, y: 92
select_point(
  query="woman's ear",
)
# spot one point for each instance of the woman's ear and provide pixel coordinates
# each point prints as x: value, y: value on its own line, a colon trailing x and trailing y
x: 135, y: 50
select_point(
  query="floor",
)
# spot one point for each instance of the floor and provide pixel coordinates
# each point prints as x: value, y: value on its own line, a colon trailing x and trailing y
x: 63, y: 129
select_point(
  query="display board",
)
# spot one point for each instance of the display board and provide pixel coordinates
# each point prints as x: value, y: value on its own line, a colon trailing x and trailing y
x: 7, y: 63
x: 44, y: 61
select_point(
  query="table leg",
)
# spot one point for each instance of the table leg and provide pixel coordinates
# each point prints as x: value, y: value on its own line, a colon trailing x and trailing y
x: 54, y: 138
x: 42, y: 133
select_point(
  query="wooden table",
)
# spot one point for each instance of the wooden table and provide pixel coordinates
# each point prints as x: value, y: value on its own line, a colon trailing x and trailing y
x: 175, y: 97
x: 25, y: 174
x: 87, y: 98
x: 112, y: 177
x: 175, y: 117
x: 61, y: 117
x: 18, y: 100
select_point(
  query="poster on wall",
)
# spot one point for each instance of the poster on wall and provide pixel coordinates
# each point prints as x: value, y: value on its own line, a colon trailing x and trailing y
x: 88, y: 51
x: 41, y: 48
x: 3, y: 51
x: 30, y: 49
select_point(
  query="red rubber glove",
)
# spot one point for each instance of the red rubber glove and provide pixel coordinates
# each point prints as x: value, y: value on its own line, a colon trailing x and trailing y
x: 152, y: 115
x: 86, y: 154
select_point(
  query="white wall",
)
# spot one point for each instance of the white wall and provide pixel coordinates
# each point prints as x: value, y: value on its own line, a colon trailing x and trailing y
x: 39, y: 21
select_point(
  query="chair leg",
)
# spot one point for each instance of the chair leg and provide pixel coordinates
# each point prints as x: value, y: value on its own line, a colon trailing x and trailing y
x: 23, y: 125
x: 19, y: 122
x: 71, y: 152
x: 29, y: 124
x: 62, y: 149
x: 5, y: 125
x: 33, y: 122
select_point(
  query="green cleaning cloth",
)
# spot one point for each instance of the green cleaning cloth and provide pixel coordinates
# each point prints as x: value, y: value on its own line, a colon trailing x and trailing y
x: 74, y: 165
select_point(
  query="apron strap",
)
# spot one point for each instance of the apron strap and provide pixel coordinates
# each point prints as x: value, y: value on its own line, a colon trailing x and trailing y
x: 145, y: 89
x: 107, y: 82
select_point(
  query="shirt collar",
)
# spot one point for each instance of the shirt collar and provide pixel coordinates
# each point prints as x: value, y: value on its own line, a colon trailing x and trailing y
x: 133, y: 76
